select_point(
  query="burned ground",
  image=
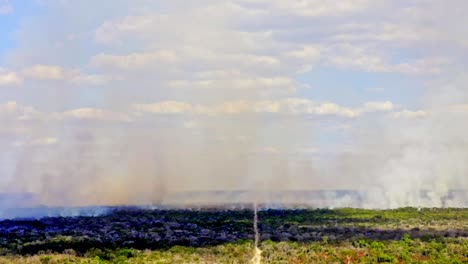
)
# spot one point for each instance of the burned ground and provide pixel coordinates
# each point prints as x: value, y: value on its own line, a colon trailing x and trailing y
x: 161, y: 229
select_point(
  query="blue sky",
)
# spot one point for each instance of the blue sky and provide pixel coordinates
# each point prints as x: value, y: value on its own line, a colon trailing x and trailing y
x: 11, y: 21
x: 226, y: 86
x: 355, y: 87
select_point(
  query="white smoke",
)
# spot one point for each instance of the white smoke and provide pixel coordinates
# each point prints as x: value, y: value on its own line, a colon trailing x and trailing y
x: 213, y: 102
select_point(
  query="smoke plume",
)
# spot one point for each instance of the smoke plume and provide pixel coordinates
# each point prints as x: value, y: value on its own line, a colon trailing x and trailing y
x: 282, y: 103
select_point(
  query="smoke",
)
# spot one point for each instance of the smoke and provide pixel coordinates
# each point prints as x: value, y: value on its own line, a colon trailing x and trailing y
x: 407, y: 171
x: 220, y: 102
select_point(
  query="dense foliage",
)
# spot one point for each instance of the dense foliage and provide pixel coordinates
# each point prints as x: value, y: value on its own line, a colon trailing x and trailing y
x: 406, y: 250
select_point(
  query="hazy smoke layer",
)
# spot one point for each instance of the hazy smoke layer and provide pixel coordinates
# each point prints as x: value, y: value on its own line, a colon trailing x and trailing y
x: 210, y: 102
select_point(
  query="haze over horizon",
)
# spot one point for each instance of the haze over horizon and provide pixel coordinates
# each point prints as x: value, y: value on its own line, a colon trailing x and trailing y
x: 130, y: 102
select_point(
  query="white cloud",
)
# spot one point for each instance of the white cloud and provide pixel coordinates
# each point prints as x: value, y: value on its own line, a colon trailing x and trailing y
x: 9, y: 78
x: 267, y: 106
x: 45, y: 141
x: 395, y: 32
x: 166, y: 107
x: 291, y: 106
x: 94, y: 114
x: 346, y: 56
x: 314, y: 8
x: 235, y: 107
x: 334, y: 109
x: 133, y: 61
x: 305, y: 53
x: 38, y: 142
x: 218, y: 74
x: 41, y: 72
x: 305, y: 58
x: 306, y: 106
x: 45, y: 72
x: 9, y: 107
x: 407, y: 114
x: 378, y: 106
x: 279, y: 83
x: 13, y: 111
x: 457, y: 109
x: 90, y: 79
x: 111, y: 31
x: 198, y: 42
x: 296, y: 106
x: 445, y: 112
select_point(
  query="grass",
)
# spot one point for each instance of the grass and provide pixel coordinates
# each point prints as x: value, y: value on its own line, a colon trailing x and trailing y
x: 406, y: 250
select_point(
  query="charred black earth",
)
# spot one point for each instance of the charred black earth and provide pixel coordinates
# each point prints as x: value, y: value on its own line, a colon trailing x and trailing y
x: 158, y: 229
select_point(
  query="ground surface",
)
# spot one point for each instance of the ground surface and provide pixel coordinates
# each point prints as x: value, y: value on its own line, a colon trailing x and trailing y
x: 406, y: 235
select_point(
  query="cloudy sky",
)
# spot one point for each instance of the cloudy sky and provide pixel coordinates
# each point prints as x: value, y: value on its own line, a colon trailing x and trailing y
x: 159, y: 96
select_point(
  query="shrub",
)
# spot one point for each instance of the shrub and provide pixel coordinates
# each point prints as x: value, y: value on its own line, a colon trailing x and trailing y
x: 376, y: 245
x: 382, y: 258
x: 362, y: 243
x: 405, y: 256
x: 45, y: 259
x: 406, y: 239
x: 126, y: 252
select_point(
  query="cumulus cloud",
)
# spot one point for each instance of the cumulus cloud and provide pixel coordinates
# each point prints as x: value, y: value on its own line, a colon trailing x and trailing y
x: 457, y: 109
x: 167, y: 107
x: 295, y: 106
x: 14, y: 111
x: 37, y: 142
x: 42, y: 72
x: 111, y: 31
x: 315, y: 8
x: 91, y: 79
x: 450, y: 111
x: 9, y: 78
x: 9, y: 107
x: 45, y: 72
x: 378, y: 106
x: 134, y: 61
x: 279, y: 83
x: 408, y: 114
x: 94, y: 114
x: 305, y: 53
x: 351, y: 57
x: 17, y: 112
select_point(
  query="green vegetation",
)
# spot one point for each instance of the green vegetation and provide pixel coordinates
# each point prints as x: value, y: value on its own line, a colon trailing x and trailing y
x: 402, y: 218
x: 406, y: 235
x: 405, y: 250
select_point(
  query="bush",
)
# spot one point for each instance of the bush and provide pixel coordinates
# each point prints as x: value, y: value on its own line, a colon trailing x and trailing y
x: 361, y: 243
x: 45, y: 259
x: 405, y: 256
x: 126, y: 252
x: 383, y: 258
x: 376, y: 245
x: 406, y: 239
